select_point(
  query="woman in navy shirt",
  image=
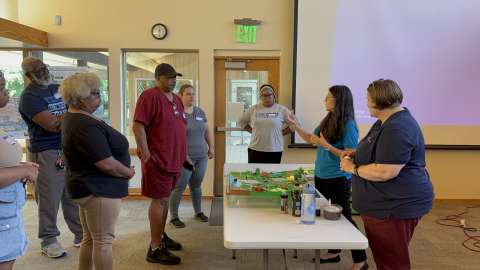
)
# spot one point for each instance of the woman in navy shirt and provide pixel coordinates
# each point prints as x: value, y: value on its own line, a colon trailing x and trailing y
x: 391, y: 186
x: 337, y: 132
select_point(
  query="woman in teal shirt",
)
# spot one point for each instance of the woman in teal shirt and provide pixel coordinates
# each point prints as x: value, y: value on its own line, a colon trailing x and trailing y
x: 337, y: 132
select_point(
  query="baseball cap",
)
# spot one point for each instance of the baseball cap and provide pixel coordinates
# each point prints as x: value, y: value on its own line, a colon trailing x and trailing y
x: 166, y: 70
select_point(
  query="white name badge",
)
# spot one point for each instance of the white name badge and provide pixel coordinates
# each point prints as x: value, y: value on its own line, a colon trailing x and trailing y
x: 199, y: 118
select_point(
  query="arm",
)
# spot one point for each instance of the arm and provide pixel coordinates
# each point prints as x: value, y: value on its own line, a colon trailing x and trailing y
x: 115, y: 168
x: 286, y: 131
x: 141, y: 139
x: 372, y: 172
x: 28, y: 171
x: 48, y: 121
x: 392, y: 153
x: 210, y: 141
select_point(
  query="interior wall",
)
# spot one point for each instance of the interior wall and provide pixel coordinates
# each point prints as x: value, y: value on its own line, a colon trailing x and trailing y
x: 208, y: 27
x: 9, y: 10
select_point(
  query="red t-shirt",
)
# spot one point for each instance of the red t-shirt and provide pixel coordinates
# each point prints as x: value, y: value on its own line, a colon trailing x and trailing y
x: 164, y: 123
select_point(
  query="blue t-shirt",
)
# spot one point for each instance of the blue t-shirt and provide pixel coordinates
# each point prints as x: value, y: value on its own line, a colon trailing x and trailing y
x: 327, y: 164
x: 410, y: 194
x: 33, y: 101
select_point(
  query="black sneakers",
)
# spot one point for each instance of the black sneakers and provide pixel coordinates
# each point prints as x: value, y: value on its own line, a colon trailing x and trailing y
x: 201, y: 216
x: 170, y: 243
x: 177, y: 223
x: 161, y: 255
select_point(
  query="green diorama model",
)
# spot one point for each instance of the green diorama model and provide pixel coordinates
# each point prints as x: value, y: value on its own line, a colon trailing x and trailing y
x: 267, y: 183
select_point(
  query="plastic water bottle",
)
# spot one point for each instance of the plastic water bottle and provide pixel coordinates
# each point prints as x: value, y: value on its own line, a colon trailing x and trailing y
x: 308, y: 205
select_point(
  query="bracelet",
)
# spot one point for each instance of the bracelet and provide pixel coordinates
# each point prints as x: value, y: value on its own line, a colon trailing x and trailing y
x: 355, y: 170
x: 328, y: 148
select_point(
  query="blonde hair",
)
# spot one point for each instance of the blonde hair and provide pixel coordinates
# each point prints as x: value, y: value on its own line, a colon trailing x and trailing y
x: 78, y: 86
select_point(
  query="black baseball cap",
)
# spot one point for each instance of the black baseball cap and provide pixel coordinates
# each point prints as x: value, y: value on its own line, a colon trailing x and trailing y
x: 166, y: 70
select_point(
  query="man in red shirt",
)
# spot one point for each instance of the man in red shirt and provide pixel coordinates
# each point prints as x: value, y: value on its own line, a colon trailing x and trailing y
x: 160, y: 132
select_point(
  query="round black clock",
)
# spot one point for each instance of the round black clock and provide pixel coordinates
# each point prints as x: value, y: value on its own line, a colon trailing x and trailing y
x: 159, y: 31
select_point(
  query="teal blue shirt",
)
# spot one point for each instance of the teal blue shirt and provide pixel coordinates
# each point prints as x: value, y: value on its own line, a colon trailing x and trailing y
x: 327, y: 165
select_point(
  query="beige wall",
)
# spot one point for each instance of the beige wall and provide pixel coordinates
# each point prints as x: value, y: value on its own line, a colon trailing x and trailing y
x: 208, y: 27
x: 9, y: 10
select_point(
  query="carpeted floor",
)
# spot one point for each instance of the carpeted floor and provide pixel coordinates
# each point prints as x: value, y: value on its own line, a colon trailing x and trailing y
x: 433, y: 247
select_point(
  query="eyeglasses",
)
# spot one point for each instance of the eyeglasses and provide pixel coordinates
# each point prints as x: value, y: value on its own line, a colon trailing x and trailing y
x: 95, y: 93
x: 266, y: 95
x: 40, y: 70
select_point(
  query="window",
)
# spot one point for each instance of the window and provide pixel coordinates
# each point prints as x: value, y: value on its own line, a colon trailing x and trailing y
x: 10, y: 119
x: 139, y: 70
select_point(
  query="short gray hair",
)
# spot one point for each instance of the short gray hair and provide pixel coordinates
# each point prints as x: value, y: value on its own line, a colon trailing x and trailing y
x: 27, y: 64
x: 78, y: 86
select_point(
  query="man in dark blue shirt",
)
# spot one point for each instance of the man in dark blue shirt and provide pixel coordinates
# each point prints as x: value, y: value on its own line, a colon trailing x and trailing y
x: 42, y: 109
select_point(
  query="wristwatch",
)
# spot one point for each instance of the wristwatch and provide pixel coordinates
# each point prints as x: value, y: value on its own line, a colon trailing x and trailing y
x: 355, y: 170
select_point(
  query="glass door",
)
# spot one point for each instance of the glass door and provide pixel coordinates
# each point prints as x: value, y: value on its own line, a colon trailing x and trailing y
x: 236, y: 90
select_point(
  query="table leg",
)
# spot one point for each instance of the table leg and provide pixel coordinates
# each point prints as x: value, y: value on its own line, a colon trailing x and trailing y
x: 317, y: 259
x: 234, y: 254
x: 295, y: 253
x: 265, y: 259
x: 285, y: 259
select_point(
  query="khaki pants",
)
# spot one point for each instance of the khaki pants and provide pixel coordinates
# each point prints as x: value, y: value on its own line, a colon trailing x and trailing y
x: 98, y: 216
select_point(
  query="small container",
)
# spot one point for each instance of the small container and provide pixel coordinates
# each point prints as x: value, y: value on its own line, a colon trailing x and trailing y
x: 284, y: 203
x: 320, y: 203
x: 296, y: 203
x: 332, y: 212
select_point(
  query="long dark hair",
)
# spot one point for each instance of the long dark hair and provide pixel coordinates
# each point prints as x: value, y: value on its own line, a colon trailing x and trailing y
x: 333, y: 125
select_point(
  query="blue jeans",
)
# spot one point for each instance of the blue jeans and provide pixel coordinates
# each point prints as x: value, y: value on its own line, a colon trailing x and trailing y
x: 194, y: 180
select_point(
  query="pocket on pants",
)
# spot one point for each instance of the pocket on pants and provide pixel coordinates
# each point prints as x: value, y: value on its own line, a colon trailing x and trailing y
x: 8, y: 210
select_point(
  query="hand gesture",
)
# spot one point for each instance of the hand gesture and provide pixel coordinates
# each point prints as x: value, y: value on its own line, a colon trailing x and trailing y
x: 131, y: 172
x: 143, y: 155
x: 30, y: 171
x: 211, y: 153
x: 292, y: 119
x: 347, y: 154
x: 347, y: 165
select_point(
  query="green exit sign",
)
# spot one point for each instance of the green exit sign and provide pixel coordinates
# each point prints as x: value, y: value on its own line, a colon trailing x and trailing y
x: 246, y: 33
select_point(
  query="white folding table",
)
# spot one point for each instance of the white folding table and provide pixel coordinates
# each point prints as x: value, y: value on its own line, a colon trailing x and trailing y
x: 251, y: 225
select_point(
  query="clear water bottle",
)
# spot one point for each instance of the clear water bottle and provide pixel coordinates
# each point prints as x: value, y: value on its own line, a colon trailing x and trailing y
x: 308, y: 205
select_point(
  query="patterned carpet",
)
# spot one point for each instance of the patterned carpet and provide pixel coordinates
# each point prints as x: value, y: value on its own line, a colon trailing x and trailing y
x: 433, y: 246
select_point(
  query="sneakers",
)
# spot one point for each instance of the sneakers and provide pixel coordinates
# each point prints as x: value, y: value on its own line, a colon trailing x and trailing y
x: 180, y: 224
x: 170, y: 243
x: 161, y: 255
x: 77, y: 244
x: 177, y: 223
x: 54, y: 250
x: 201, y: 216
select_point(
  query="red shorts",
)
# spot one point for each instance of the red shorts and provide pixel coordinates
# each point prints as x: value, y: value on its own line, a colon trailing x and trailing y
x: 156, y: 182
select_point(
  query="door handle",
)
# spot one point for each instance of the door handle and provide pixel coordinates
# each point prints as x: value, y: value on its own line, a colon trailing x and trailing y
x: 225, y: 129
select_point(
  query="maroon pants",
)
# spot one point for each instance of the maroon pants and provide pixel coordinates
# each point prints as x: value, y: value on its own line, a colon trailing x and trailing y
x: 389, y: 239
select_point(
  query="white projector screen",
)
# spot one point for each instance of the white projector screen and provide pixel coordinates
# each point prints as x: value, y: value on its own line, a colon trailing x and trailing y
x: 430, y: 47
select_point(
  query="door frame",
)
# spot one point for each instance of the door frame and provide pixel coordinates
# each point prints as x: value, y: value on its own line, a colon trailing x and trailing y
x: 253, y: 63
